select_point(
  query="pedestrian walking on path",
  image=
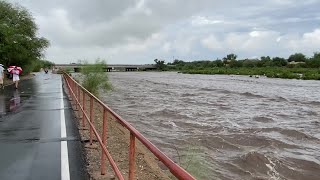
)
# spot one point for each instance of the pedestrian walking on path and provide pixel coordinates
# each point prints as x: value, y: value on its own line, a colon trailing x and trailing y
x: 15, y: 77
x: 15, y: 71
x: 1, y: 76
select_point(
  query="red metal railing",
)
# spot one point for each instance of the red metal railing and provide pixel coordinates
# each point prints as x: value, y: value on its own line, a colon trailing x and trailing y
x: 74, y: 89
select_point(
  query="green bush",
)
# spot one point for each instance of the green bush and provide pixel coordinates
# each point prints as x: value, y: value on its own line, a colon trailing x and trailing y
x: 36, y: 67
x: 68, y: 69
x: 95, y: 77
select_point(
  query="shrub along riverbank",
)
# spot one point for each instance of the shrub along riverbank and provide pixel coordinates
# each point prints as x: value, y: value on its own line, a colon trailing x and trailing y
x: 297, y: 66
x: 287, y: 73
x: 93, y: 77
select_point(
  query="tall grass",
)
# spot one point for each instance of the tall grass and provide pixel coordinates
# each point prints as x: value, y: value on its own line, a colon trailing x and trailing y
x: 95, y: 77
x: 192, y: 158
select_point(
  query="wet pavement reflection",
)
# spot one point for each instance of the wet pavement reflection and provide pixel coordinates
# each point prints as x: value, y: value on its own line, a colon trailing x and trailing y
x: 2, y: 105
x: 11, y: 99
x: 15, y: 101
x: 30, y: 131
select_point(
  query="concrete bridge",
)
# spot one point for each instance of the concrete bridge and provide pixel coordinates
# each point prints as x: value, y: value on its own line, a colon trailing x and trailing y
x: 111, y: 67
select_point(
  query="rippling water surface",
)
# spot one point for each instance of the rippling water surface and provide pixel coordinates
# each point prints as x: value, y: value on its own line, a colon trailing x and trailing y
x: 225, y: 127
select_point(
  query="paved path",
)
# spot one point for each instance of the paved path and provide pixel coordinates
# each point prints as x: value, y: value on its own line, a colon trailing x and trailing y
x: 38, y: 135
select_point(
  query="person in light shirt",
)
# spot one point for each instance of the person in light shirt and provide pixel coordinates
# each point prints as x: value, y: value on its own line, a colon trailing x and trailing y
x: 15, y: 77
x: 1, y: 76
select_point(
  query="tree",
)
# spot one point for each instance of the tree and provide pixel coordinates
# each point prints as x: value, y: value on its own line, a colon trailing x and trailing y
x: 37, y: 65
x: 250, y: 63
x: 177, y: 62
x: 265, y: 58
x: 314, y: 62
x: 19, y: 44
x: 160, y: 64
x: 277, y: 61
x: 235, y: 64
x: 297, y: 57
x: 316, y: 56
x: 219, y: 63
x: 265, y: 61
x: 229, y: 57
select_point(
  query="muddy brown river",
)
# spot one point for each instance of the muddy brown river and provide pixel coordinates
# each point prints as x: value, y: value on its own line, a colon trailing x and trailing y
x: 225, y: 127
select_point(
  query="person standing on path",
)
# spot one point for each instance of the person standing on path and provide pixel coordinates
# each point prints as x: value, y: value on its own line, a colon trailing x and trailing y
x: 1, y: 76
x: 15, y: 77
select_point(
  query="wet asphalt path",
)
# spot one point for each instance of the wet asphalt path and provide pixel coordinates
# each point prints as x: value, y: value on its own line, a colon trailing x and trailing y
x: 33, y: 141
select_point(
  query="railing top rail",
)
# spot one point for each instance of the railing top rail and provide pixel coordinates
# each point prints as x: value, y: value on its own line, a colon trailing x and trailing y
x: 173, y: 167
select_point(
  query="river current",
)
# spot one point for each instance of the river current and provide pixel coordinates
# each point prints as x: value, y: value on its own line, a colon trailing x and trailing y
x: 225, y: 127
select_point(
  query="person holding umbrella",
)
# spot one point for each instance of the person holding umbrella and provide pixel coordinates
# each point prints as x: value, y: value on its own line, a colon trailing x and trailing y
x: 15, y: 71
x: 15, y: 76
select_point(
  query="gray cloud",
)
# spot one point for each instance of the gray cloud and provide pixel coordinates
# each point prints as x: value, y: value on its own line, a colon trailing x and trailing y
x: 138, y: 31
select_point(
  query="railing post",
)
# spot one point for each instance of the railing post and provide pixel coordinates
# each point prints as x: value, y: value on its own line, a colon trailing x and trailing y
x: 75, y: 95
x: 104, y: 141
x: 72, y: 86
x: 91, y: 118
x: 79, y: 113
x: 132, y: 153
x: 84, y: 108
x: 67, y: 78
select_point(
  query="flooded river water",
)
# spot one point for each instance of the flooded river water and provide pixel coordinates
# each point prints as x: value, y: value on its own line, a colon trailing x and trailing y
x: 225, y: 127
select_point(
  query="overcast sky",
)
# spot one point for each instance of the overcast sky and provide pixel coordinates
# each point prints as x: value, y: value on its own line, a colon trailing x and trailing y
x: 139, y: 31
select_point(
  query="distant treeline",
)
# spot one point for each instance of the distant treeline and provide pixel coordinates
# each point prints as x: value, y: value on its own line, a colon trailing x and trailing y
x: 296, y: 66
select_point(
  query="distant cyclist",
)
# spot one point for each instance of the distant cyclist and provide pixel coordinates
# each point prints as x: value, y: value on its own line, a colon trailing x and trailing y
x: 46, y: 70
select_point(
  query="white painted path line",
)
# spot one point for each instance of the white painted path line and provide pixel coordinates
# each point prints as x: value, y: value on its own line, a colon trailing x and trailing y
x: 65, y: 173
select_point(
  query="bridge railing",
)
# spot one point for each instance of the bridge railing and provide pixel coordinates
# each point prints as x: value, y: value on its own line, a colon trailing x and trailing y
x: 110, y: 65
x: 79, y: 95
